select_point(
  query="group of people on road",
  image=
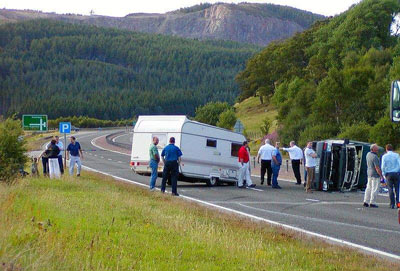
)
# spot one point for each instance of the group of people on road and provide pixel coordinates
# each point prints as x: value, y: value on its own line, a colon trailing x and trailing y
x: 171, y: 158
x: 386, y: 171
x: 271, y: 161
x: 52, y: 159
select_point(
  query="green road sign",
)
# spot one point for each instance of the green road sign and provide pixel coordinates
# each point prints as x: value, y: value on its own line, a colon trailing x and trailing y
x: 34, y: 122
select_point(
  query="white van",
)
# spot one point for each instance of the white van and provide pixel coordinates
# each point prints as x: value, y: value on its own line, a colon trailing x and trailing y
x: 210, y: 153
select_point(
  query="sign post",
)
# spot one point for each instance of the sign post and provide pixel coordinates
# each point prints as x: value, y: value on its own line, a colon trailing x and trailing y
x: 65, y: 128
x: 34, y: 122
x: 238, y: 128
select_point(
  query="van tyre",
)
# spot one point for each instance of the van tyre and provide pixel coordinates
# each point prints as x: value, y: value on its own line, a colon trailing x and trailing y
x: 212, y: 182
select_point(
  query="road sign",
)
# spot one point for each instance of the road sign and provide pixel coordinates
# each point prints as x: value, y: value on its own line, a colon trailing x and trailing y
x: 65, y: 127
x: 34, y: 122
x: 238, y: 128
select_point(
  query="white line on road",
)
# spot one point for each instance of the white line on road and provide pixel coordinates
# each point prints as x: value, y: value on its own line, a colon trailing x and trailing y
x: 102, y: 157
x: 255, y: 189
x: 310, y: 233
x: 101, y: 148
x: 109, y: 159
x: 320, y: 220
x: 315, y: 200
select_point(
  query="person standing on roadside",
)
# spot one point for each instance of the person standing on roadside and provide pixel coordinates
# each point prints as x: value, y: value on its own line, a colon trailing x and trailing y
x: 60, y: 145
x: 296, y: 156
x: 244, y: 164
x: 52, y: 152
x: 154, y: 160
x: 74, y: 154
x: 390, y: 169
x: 374, y: 175
x: 311, y: 163
x: 171, y: 157
x: 276, y: 166
x: 265, y: 153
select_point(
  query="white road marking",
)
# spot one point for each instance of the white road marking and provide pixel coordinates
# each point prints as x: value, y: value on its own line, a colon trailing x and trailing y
x: 255, y: 189
x: 120, y: 162
x: 102, y: 157
x: 320, y: 220
x: 314, y: 200
x: 114, y: 139
x: 286, y: 226
x: 97, y: 146
x: 109, y: 159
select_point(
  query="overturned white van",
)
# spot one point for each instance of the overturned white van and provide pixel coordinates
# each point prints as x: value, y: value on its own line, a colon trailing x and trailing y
x: 210, y: 153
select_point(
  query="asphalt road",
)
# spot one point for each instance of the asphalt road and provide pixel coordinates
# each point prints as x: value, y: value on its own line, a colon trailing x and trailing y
x: 337, y: 215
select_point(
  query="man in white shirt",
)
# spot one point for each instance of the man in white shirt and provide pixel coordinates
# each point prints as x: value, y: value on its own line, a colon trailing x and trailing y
x: 311, y: 163
x: 296, y: 155
x: 265, y: 153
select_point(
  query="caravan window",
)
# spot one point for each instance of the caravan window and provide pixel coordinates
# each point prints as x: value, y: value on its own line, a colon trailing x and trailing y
x: 235, y: 149
x: 211, y: 143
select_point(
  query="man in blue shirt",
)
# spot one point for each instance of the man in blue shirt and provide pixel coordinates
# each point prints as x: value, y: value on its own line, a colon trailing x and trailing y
x: 74, y: 153
x: 276, y: 166
x: 171, y: 157
x: 390, y: 169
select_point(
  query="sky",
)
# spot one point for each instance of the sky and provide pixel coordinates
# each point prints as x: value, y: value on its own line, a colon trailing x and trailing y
x: 120, y: 8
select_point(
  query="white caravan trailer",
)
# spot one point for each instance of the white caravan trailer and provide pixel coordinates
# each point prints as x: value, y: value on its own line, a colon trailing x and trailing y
x: 210, y: 153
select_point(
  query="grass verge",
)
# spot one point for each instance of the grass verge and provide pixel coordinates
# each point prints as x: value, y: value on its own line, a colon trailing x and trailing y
x: 96, y: 223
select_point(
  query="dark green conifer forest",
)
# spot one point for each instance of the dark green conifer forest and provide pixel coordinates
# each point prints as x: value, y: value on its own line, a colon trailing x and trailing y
x: 62, y: 69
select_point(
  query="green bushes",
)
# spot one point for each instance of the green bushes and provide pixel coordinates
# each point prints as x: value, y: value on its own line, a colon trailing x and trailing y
x: 385, y: 132
x: 358, y: 131
x: 12, y: 150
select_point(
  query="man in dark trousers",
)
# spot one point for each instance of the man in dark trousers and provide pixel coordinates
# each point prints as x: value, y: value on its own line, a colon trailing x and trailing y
x: 296, y: 155
x: 171, y: 157
x: 265, y: 153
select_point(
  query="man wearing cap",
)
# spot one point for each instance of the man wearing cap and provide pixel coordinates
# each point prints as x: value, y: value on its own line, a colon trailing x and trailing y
x: 244, y: 164
x: 171, y: 157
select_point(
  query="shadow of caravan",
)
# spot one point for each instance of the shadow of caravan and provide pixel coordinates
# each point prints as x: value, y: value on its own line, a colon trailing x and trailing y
x: 210, y: 154
x: 342, y: 165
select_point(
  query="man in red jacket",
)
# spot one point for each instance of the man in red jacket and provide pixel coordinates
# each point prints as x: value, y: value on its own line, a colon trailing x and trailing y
x: 244, y: 166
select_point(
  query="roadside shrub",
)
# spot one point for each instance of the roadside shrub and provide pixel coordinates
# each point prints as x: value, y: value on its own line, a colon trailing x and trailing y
x: 385, y: 132
x: 265, y: 126
x: 210, y: 112
x: 358, y: 131
x: 227, y: 119
x: 12, y: 150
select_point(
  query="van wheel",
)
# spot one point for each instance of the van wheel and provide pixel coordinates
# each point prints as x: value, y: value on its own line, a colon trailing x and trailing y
x: 213, y: 181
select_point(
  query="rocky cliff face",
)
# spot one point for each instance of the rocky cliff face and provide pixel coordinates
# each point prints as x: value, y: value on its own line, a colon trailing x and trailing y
x: 249, y: 23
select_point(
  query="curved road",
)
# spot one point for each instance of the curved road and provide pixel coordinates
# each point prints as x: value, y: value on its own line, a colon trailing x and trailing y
x: 336, y: 215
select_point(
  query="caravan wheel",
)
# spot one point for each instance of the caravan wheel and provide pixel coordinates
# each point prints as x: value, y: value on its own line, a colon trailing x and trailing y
x: 213, y: 181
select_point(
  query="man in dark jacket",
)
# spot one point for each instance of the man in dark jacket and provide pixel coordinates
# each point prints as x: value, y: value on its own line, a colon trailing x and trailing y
x: 171, y: 157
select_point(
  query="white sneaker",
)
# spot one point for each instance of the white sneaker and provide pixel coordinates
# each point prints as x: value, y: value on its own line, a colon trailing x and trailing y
x: 152, y: 189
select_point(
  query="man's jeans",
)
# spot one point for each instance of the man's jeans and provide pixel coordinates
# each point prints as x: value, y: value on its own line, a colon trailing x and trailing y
x: 392, y: 180
x: 275, y: 173
x: 154, y: 173
x: 72, y: 161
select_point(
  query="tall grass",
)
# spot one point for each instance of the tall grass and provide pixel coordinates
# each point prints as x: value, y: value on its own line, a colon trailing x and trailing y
x: 94, y: 223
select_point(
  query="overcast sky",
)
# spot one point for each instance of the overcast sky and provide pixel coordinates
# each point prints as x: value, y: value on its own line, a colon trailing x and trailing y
x: 124, y: 7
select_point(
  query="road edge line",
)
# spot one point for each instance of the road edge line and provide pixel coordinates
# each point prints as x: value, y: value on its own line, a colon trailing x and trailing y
x: 271, y: 222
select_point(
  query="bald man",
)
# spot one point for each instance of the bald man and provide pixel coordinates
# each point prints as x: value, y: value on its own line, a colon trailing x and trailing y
x: 374, y: 175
